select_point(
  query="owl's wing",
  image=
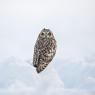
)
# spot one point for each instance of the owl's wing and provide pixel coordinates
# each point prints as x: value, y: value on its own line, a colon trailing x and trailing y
x: 37, y: 50
x: 43, y: 63
x: 35, y: 57
x: 41, y: 67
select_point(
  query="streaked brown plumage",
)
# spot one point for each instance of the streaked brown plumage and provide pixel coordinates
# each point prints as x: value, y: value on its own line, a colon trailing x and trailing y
x: 44, y: 50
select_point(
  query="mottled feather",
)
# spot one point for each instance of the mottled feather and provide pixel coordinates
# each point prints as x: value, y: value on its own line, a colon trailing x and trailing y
x: 44, y: 50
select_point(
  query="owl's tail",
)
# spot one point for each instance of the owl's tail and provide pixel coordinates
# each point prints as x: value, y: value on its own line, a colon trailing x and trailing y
x: 41, y: 67
x: 35, y: 65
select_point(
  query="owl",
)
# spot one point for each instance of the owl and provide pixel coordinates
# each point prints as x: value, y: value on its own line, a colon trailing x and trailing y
x: 44, y: 50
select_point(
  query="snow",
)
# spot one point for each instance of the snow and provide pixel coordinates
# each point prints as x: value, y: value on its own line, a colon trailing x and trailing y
x: 18, y: 77
x: 77, y: 74
x: 21, y: 78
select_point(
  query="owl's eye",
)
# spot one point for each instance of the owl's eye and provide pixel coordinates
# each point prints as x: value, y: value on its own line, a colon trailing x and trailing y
x: 49, y: 34
x: 42, y: 34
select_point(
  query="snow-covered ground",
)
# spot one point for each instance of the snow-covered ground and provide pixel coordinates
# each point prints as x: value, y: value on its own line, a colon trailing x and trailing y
x: 20, y: 78
x: 78, y: 74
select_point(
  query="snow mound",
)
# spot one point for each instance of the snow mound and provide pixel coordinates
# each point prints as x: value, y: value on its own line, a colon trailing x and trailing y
x: 20, y: 77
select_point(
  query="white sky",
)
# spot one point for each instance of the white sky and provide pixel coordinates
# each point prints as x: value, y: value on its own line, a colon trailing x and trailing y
x: 71, y: 20
x: 47, y: 7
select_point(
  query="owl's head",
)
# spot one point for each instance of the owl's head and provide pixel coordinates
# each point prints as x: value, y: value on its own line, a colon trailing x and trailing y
x: 46, y: 33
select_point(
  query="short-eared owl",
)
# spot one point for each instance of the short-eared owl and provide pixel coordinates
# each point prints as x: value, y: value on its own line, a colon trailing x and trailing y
x: 44, y: 50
